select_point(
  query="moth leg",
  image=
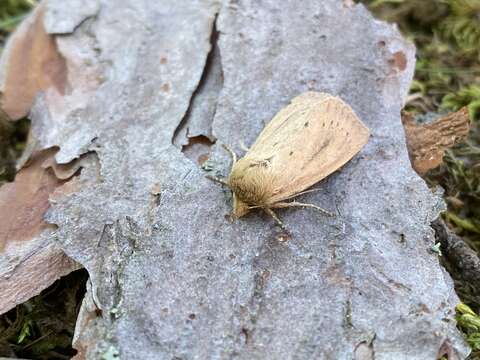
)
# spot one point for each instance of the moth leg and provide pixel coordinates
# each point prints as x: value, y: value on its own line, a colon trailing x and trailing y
x: 234, y: 159
x: 276, y: 218
x: 217, y: 179
x: 299, y: 204
x: 302, y: 193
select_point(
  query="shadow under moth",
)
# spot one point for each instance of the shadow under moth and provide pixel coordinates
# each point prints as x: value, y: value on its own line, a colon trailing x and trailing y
x: 315, y: 135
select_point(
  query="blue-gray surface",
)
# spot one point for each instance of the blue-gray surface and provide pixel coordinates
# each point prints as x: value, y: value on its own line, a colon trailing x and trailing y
x: 174, y: 278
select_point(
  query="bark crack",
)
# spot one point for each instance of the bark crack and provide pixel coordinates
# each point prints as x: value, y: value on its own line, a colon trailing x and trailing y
x: 194, y: 132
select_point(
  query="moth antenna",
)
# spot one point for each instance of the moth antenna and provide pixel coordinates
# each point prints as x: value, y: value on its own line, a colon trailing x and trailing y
x: 243, y: 146
x: 299, y: 204
x: 276, y: 218
x: 217, y: 179
x: 232, y: 154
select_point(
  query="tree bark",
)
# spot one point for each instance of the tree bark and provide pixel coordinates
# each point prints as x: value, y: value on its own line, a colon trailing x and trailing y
x: 174, y: 278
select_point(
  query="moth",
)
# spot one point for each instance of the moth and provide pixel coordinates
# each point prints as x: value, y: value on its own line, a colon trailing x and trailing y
x: 315, y: 135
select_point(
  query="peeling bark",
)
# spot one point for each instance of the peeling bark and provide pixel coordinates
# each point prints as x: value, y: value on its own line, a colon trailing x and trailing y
x: 170, y: 275
x: 30, y: 258
x: 31, y: 63
x: 427, y: 143
x: 25, y: 201
x: 198, y: 120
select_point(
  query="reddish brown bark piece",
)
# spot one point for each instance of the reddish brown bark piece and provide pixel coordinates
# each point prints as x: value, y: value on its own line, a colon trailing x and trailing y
x: 24, y: 202
x: 427, y: 143
x: 33, y: 260
x: 33, y: 64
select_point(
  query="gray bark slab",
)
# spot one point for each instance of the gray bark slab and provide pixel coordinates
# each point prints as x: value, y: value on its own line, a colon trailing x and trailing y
x: 172, y: 277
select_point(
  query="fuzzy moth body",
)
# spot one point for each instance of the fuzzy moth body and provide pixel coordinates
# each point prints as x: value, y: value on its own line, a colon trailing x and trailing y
x: 315, y: 135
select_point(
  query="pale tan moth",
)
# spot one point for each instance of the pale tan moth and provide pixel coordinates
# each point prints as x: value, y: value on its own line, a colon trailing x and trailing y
x: 315, y: 135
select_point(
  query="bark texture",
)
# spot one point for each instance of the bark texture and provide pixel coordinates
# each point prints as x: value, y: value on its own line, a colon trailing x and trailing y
x: 172, y: 277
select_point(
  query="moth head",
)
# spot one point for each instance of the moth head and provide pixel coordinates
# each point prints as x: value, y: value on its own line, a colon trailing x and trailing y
x: 239, y: 207
x: 251, y: 181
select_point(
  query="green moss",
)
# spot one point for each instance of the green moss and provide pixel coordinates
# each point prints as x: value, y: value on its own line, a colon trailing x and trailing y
x: 12, y: 12
x: 468, y: 96
x: 469, y: 322
x: 42, y: 327
x: 462, y: 26
x: 446, y: 34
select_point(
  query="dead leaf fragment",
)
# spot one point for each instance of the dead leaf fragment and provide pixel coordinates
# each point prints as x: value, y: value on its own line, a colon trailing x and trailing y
x: 426, y: 143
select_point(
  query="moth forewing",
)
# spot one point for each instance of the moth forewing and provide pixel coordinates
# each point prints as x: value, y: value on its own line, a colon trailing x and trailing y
x: 281, y: 124
x: 331, y: 135
x: 312, y: 137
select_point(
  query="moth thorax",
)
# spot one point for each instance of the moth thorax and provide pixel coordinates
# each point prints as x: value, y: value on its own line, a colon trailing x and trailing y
x: 252, y: 181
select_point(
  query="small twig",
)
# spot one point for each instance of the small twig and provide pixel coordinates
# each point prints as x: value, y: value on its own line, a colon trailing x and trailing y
x: 37, y: 340
x: 462, y: 261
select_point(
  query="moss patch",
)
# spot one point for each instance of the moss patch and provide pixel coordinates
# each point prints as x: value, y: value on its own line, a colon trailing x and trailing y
x: 42, y: 327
